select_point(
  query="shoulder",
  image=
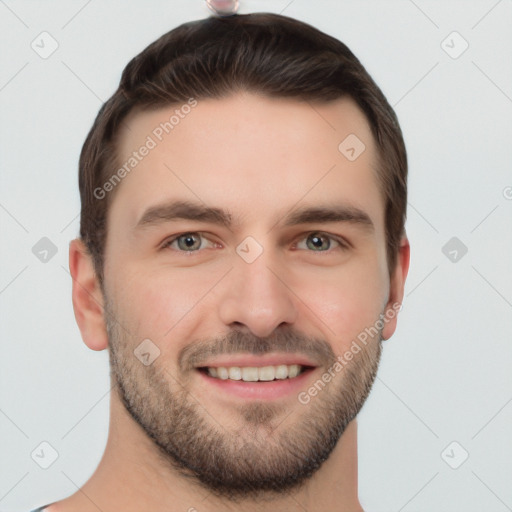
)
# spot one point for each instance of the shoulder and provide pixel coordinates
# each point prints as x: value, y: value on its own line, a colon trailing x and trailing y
x: 65, y: 505
x: 44, y: 508
x: 69, y: 504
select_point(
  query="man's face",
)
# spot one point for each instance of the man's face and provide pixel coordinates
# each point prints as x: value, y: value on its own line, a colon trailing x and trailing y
x: 288, y: 269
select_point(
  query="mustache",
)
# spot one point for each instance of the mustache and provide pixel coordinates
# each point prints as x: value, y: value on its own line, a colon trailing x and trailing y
x: 286, y: 340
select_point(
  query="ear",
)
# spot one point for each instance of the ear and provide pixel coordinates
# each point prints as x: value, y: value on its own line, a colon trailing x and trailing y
x: 87, y: 297
x: 396, y: 289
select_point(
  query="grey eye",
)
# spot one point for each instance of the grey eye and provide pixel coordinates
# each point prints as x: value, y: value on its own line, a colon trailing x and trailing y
x: 318, y: 242
x: 189, y: 242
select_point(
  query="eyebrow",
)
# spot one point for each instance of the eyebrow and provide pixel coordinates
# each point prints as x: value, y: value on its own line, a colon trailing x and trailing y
x: 160, y: 214
x: 325, y: 214
x: 184, y: 210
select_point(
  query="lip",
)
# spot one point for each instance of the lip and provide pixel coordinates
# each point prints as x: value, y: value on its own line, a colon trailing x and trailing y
x: 270, y: 390
x: 257, y: 361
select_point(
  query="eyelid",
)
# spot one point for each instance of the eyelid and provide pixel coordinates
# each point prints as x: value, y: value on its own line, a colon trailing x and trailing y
x: 342, y: 243
x: 168, y: 241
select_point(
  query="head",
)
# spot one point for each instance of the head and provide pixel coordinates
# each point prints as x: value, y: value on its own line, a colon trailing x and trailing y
x: 243, y: 196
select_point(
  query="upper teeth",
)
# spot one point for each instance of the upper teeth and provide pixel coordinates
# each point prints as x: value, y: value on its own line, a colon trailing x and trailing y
x: 253, y: 373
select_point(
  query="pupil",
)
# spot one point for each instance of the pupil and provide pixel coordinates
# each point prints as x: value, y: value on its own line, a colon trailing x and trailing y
x: 189, y: 242
x: 319, y: 242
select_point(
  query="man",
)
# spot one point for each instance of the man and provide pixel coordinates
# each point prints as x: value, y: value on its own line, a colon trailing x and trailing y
x: 242, y: 255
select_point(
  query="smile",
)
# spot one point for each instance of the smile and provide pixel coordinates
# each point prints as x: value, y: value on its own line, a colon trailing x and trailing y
x: 254, y: 373
x: 261, y: 377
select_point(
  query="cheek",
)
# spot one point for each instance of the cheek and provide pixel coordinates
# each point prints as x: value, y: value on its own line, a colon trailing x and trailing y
x: 160, y: 304
x: 347, y: 301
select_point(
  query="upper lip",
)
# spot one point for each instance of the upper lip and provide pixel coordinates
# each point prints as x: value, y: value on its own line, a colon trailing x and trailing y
x: 229, y: 360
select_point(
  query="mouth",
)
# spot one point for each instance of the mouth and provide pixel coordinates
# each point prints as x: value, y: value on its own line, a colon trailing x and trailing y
x: 262, y: 378
x: 255, y: 373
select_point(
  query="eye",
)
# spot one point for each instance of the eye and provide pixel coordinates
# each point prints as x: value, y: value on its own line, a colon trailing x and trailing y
x: 187, y: 242
x: 319, y: 242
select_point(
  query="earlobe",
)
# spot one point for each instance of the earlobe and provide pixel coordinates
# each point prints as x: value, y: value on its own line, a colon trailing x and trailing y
x: 396, y: 289
x: 87, y: 297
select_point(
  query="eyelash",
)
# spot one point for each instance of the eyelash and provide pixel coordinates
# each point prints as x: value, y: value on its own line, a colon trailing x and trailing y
x: 342, y: 244
x: 166, y: 244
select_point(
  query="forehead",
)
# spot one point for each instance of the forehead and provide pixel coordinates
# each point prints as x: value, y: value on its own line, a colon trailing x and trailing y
x: 248, y: 153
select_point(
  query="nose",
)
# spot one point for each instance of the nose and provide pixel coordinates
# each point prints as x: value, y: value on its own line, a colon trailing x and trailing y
x: 257, y: 297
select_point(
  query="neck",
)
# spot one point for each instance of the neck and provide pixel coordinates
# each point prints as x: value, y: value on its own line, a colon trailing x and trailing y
x: 131, y: 477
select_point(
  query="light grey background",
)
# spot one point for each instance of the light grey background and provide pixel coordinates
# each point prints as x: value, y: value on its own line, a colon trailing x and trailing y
x: 446, y: 374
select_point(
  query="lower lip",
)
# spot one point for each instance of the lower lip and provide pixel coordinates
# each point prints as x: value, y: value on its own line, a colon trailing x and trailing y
x: 269, y: 390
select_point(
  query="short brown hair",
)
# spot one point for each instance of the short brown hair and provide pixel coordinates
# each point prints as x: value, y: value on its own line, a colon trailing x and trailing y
x: 265, y: 53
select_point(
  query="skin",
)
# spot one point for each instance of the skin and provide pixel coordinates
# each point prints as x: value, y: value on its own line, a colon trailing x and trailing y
x: 260, y: 159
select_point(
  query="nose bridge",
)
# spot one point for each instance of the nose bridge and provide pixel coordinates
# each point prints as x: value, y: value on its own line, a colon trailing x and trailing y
x: 255, y: 296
